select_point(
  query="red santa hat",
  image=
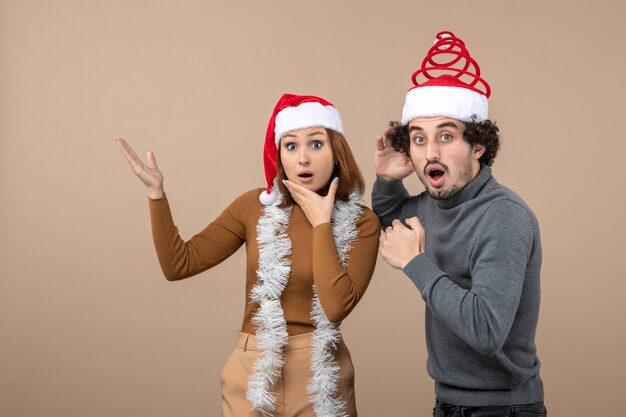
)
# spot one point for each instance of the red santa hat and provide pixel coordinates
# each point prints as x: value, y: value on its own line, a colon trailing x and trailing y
x: 453, y: 86
x: 293, y: 112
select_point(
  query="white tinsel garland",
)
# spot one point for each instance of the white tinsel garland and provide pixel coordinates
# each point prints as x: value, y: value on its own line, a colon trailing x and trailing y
x: 272, y: 336
x: 323, y: 386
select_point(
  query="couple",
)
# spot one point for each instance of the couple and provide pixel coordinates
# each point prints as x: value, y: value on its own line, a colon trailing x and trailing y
x: 470, y: 245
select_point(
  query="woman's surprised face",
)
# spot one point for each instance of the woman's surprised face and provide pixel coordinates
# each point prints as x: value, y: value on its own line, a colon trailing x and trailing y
x: 307, y: 157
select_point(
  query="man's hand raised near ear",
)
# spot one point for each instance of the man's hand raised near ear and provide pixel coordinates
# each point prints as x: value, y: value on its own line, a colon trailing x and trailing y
x: 390, y: 164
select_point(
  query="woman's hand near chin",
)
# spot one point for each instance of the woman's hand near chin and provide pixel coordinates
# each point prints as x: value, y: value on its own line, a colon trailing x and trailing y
x: 318, y: 209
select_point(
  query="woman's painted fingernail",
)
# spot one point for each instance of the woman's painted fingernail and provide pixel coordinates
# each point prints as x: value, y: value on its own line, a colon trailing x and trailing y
x: 285, y: 182
x: 336, y: 180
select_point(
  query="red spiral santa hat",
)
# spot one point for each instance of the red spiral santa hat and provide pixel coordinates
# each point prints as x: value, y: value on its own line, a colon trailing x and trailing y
x: 293, y: 112
x: 453, y: 86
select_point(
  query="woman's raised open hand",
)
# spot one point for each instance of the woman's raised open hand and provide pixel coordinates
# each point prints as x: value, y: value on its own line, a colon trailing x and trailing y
x: 149, y: 174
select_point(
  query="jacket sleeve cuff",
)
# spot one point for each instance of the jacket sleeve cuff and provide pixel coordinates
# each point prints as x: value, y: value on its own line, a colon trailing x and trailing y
x: 423, y: 272
x: 389, y: 187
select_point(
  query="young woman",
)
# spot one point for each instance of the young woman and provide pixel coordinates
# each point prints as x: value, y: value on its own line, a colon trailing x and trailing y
x: 311, y: 250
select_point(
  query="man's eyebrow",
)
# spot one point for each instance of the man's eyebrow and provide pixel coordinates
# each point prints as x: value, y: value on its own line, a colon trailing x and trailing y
x: 447, y: 124
x: 411, y: 128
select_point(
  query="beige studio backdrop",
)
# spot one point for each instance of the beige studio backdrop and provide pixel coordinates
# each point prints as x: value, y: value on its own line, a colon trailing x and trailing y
x: 88, y: 324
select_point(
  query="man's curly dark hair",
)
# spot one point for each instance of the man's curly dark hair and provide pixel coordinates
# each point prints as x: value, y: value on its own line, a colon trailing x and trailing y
x: 484, y: 133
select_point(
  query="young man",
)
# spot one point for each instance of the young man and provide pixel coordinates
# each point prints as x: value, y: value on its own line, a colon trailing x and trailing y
x: 470, y: 245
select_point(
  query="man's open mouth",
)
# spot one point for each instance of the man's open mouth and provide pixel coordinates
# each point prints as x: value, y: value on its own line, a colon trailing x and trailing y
x: 435, y: 174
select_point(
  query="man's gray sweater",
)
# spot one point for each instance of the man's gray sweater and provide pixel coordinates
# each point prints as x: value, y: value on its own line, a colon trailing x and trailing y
x: 479, y: 278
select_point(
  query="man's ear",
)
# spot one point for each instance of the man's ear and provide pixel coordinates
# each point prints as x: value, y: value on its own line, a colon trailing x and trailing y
x: 478, y: 151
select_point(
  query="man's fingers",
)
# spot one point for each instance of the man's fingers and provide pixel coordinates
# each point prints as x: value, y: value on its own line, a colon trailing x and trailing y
x: 417, y: 227
x: 397, y: 223
x: 386, y: 136
x: 414, y: 223
x: 380, y: 143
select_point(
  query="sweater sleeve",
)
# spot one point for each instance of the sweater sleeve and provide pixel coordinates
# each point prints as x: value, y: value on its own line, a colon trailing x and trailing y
x: 483, y: 315
x: 340, y: 289
x: 219, y: 240
x: 387, y: 199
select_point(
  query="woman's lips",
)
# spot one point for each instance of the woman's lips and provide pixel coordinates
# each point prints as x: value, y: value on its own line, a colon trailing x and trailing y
x: 305, y: 177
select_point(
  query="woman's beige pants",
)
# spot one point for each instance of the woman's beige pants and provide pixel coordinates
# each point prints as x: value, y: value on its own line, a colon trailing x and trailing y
x: 291, y: 387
